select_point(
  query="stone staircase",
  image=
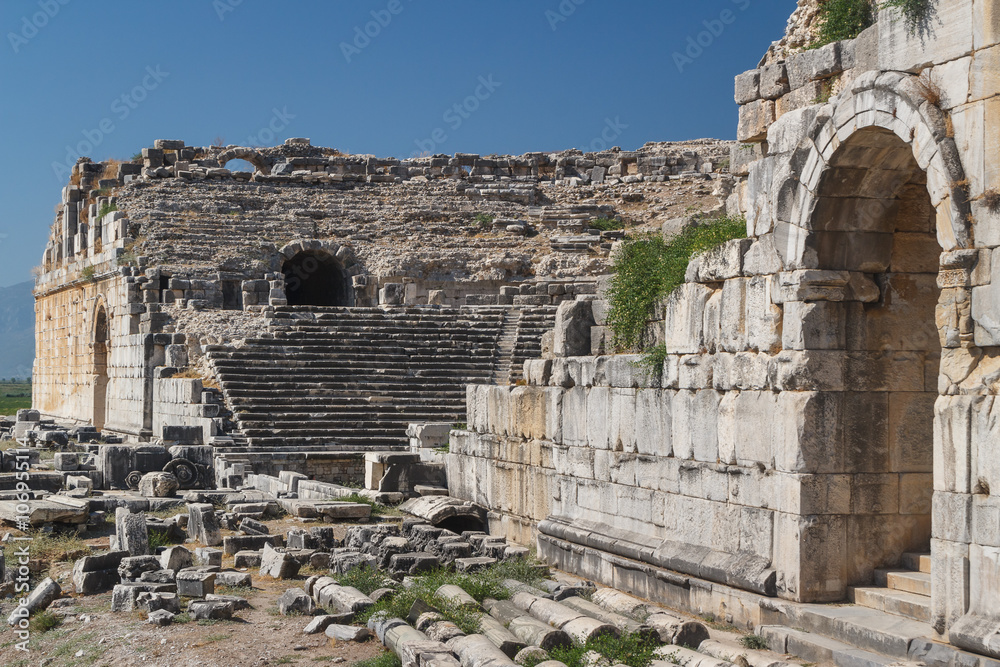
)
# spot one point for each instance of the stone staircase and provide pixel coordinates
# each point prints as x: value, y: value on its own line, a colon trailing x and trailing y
x: 904, y: 591
x: 358, y: 376
x: 531, y: 326
x: 888, y: 624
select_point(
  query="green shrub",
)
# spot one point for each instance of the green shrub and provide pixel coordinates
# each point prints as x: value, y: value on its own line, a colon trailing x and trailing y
x: 755, y: 642
x: 107, y: 208
x: 647, y: 268
x: 483, y: 220
x: 136, y: 157
x: 365, y: 578
x: 634, y: 650
x: 607, y: 224
x: 44, y: 621
x: 843, y: 19
x: 88, y: 273
x: 914, y: 11
x: 653, y: 359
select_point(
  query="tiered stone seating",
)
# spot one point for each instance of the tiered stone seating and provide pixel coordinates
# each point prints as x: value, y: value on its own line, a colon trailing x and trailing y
x: 358, y: 376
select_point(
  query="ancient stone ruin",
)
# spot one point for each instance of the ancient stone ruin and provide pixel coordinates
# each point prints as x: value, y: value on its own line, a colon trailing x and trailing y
x: 814, y: 463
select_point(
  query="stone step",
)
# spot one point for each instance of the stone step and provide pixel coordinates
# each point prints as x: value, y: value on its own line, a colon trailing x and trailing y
x: 907, y: 581
x: 900, y: 603
x: 860, y: 626
x: 819, y: 649
x: 918, y: 562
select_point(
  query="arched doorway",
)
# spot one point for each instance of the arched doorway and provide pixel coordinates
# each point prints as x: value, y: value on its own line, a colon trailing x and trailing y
x: 874, y: 218
x: 102, y: 342
x: 316, y: 278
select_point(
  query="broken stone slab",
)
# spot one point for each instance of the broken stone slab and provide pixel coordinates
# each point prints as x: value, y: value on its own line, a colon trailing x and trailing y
x: 176, y: 558
x: 247, y: 559
x: 160, y: 618
x: 150, y: 602
x: 203, y: 524
x: 66, y: 461
x: 439, y: 509
x: 237, y: 602
x: 325, y: 509
x: 194, y: 584
x: 253, y: 527
x: 131, y: 531
x: 321, y: 623
x: 94, y: 574
x: 295, y: 601
x: 125, y: 597
x: 413, y: 563
x: 53, y: 509
x: 159, y: 577
x: 158, y: 484
x: 209, y: 556
x: 232, y: 544
x: 278, y: 564
x: 131, y: 568
x: 347, y: 633
x: 233, y: 579
x: 39, y: 599
x: 474, y: 564
x: 210, y: 609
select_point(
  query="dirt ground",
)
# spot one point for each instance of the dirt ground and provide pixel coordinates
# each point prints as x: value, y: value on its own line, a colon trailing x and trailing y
x: 90, y: 634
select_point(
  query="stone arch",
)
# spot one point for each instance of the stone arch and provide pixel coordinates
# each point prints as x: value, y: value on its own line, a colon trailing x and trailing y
x: 317, y: 273
x: 875, y: 223
x: 101, y: 350
x: 248, y: 154
x: 893, y: 104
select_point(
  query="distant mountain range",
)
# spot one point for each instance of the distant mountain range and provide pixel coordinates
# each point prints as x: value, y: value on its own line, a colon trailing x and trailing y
x: 17, y: 330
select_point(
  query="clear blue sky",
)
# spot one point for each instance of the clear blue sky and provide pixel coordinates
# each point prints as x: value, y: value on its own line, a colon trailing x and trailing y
x: 549, y: 75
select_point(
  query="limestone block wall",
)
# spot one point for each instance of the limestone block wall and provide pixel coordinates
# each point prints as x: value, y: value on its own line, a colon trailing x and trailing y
x: 840, y: 362
x: 320, y: 466
x: 182, y: 402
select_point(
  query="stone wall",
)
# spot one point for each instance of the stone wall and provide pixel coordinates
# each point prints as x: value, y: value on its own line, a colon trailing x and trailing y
x: 832, y: 376
x: 335, y: 467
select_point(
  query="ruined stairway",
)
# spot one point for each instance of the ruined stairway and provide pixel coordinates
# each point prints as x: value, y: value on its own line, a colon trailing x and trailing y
x: 902, y: 591
x: 359, y: 376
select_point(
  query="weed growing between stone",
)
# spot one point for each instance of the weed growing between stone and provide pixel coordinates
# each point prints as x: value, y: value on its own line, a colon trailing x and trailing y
x: 607, y: 224
x: 755, y: 642
x: 647, y: 268
x: 387, y: 659
x: 487, y: 583
x: 633, y: 650
x: 843, y: 19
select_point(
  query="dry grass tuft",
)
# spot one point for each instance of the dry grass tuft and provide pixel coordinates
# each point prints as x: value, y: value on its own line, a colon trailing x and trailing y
x: 929, y: 90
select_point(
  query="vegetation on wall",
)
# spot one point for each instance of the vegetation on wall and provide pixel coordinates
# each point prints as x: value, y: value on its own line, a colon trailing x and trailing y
x: 647, y: 268
x: 846, y: 19
x: 843, y: 19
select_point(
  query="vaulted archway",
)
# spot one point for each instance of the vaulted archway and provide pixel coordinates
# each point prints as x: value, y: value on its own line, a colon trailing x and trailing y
x: 316, y: 278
